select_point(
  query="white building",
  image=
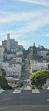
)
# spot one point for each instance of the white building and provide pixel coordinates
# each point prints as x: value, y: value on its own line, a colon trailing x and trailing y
x: 8, y: 41
x: 13, y: 70
x: 4, y: 64
x: 10, y: 44
x: 35, y: 65
x: 42, y: 53
x: 17, y: 59
x: 19, y: 53
x: 1, y: 53
x: 9, y: 56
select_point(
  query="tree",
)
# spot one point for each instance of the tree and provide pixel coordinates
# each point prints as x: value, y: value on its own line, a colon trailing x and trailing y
x: 47, y: 84
x: 25, y: 53
x: 42, y: 48
x: 38, y: 79
x: 34, y: 52
x: 3, y: 72
x: 4, y: 83
x: 19, y: 84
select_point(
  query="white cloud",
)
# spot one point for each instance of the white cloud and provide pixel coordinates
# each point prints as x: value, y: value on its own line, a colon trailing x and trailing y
x: 12, y: 35
x: 16, y: 36
x: 2, y: 34
x: 7, y: 17
x: 39, y: 2
x: 46, y: 34
x: 33, y: 21
x: 4, y: 12
x: 24, y: 43
x: 40, y: 21
x: 37, y: 19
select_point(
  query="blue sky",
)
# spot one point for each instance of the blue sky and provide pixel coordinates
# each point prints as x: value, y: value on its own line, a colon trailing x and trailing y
x: 27, y: 21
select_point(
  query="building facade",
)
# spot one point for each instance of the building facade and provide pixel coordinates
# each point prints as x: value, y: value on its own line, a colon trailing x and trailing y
x: 42, y: 53
x: 1, y: 53
x: 10, y: 44
x: 35, y: 65
x: 13, y: 70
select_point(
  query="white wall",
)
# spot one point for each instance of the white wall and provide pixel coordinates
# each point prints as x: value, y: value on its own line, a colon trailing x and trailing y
x: 18, y: 59
x: 10, y: 55
x: 42, y: 53
x: 13, y: 70
x: 1, y: 53
x: 5, y: 64
x: 34, y: 65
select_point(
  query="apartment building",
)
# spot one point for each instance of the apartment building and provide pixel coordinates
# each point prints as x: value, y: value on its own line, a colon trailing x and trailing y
x: 13, y: 70
x: 35, y: 65
x: 1, y: 53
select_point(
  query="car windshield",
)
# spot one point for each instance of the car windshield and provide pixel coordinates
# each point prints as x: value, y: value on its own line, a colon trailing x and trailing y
x: 24, y: 55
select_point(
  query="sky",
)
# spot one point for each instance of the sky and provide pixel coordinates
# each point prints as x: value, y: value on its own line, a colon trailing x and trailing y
x: 27, y: 21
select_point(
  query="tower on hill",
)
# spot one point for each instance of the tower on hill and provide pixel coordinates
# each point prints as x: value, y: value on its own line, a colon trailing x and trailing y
x: 8, y: 41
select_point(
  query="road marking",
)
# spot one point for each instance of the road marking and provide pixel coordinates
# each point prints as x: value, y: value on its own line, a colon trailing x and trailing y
x: 48, y: 88
x: 1, y: 90
x: 35, y: 91
x: 48, y: 100
x: 17, y: 91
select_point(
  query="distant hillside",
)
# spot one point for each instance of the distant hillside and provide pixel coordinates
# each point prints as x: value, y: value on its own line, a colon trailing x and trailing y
x: 31, y: 53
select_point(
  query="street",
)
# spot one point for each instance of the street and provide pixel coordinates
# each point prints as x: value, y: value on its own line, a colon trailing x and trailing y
x: 24, y: 97
x: 25, y: 71
x: 25, y: 108
x: 24, y: 100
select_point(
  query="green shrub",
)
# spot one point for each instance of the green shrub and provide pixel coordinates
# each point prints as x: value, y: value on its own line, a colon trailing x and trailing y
x: 19, y: 84
x: 38, y: 79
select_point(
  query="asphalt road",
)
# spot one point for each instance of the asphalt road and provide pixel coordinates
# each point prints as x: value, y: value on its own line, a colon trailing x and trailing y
x: 25, y: 101
x: 25, y: 108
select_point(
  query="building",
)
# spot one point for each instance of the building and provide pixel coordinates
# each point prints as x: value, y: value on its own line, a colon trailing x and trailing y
x: 35, y: 65
x: 17, y: 59
x: 19, y: 53
x: 8, y: 41
x: 42, y: 53
x: 10, y: 56
x: 1, y: 53
x: 10, y: 44
x: 13, y: 70
x: 13, y: 44
x: 4, y: 44
x: 19, y: 50
x: 47, y: 56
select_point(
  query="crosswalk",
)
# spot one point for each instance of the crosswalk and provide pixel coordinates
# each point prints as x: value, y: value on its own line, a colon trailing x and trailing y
x: 18, y: 91
x: 35, y: 91
x: 1, y: 91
